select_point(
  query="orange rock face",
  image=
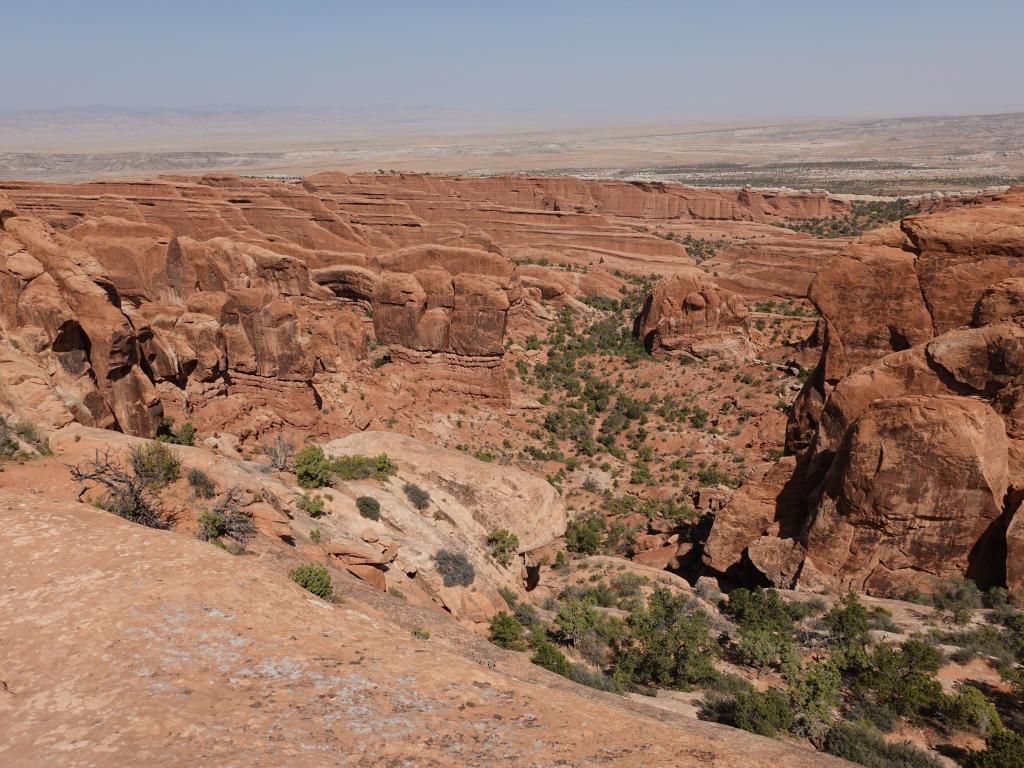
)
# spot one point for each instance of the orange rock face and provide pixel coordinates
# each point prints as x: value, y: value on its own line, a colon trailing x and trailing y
x: 689, y: 314
x: 909, y: 432
x: 246, y: 303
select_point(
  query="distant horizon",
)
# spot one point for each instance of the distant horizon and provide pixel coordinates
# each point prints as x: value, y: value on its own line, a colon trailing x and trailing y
x: 652, y: 59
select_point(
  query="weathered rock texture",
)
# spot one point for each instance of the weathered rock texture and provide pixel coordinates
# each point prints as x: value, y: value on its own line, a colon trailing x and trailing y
x: 689, y: 314
x: 248, y: 303
x: 201, y: 658
x: 909, y: 432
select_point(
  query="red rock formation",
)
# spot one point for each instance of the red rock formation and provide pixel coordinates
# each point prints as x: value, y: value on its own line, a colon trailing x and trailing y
x: 910, y: 430
x: 689, y: 314
x: 59, y: 308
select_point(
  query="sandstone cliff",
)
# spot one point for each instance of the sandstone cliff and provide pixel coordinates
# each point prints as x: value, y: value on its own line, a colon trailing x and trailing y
x: 908, y: 434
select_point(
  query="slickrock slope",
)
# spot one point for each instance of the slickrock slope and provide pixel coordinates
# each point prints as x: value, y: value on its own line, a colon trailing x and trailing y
x: 124, y: 645
x: 909, y: 432
x: 773, y: 265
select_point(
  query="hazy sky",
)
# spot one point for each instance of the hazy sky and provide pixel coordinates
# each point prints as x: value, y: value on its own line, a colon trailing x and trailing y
x: 699, y: 60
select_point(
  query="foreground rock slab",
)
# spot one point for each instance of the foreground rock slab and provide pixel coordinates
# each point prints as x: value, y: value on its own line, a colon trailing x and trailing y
x: 128, y: 646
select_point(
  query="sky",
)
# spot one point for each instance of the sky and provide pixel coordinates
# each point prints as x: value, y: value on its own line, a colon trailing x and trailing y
x: 648, y: 58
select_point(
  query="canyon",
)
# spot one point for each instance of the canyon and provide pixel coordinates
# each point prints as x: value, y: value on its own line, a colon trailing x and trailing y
x: 439, y: 389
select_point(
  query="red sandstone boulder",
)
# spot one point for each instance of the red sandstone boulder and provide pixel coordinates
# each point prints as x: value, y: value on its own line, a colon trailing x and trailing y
x: 689, y: 314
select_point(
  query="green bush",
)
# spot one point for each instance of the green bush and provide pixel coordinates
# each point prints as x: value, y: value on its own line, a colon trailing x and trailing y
x: 504, y: 544
x: 507, y: 632
x: 227, y: 519
x: 1003, y: 749
x: 185, y: 436
x: 865, y: 747
x: 417, y: 496
x: 670, y: 644
x: 759, y: 609
x: 765, y: 713
x: 312, y: 467
x: 313, y: 578
x: 363, y: 467
x: 368, y: 507
x: 154, y: 464
x: 585, y: 535
x: 547, y: 655
x: 848, y: 621
x: 201, y: 484
x: 310, y: 504
x: 762, y: 648
x: 969, y: 710
x: 903, y: 679
x: 455, y: 568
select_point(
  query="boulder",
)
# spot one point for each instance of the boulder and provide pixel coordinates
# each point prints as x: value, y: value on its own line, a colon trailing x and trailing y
x: 689, y: 314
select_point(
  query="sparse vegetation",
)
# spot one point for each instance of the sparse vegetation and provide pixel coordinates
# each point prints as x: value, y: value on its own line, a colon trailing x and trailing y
x: 417, y: 496
x: 368, y: 507
x: 503, y: 545
x: 132, y: 491
x: 202, y: 485
x: 310, y: 504
x: 314, y: 578
x: 184, y: 436
x: 227, y: 519
x: 281, y: 453
x: 455, y: 568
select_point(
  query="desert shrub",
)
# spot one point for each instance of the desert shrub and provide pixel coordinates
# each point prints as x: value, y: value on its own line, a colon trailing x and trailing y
x: 455, y: 568
x: 575, y: 619
x: 316, y: 536
x: 1003, y: 749
x: 759, y: 609
x: 26, y: 430
x: 969, y: 710
x: 132, y: 491
x: 9, y: 447
x: 729, y: 684
x: 592, y: 678
x: 878, y: 715
x: 312, y: 467
x: 989, y: 641
x: 865, y: 747
x: 154, y: 463
x: 507, y: 632
x: 527, y: 615
x: 280, y: 452
x: 165, y: 433
x: 310, y: 504
x: 763, y: 648
x: 628, y: 584
x: 813, y: 693
x: 669, y: 644
x: 503, y: 544
x: 363, y: 467
x: 902, y: 678
x: 585, y: 535
x: 848, y: 621
x: 763, y: 712
x: 959, y: 597
x: 417, y: 496
x: 313, y: 578
x: 368, y: 507
x: 227, y: 519
x: 201, y: 483
x: 547, y: 655
x: 420, y: 633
